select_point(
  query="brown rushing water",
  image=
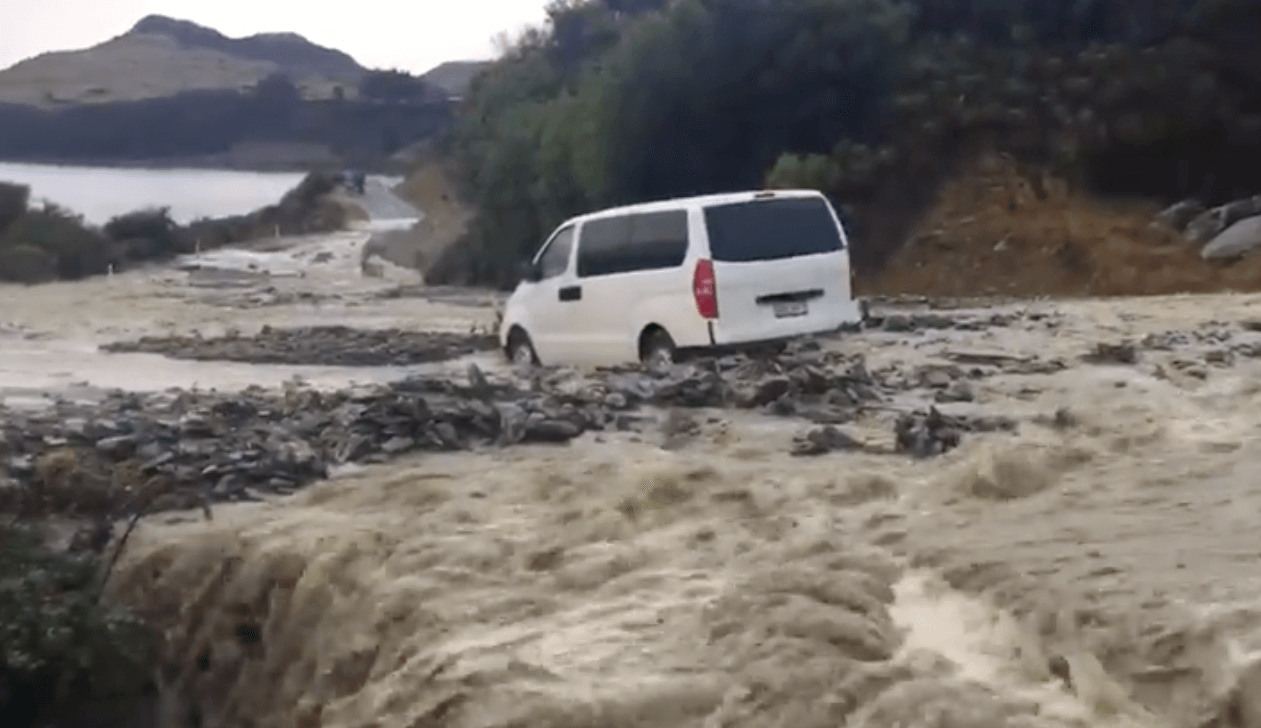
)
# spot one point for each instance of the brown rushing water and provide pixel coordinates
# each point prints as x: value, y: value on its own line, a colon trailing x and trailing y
x: 725, y: 583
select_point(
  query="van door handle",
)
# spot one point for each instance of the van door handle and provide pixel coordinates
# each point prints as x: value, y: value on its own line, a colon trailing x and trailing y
x: 571, y: 293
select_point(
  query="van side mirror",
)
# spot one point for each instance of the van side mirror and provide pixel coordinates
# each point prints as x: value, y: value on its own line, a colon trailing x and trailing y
x: 531, y: 271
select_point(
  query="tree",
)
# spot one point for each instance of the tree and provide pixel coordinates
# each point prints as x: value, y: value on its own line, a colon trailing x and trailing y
x: 393, y: 85
x: 13, y: 201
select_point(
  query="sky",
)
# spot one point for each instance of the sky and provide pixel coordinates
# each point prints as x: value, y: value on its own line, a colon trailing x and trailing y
x: 412, y: 35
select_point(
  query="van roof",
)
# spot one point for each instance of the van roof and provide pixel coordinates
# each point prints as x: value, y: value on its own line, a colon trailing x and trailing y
x: 698, y: 200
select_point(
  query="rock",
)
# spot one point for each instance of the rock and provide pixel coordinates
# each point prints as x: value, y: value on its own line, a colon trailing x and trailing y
x: 1123, y: 353
x: 194, y: 425
x: 931, y: 321
x: 959, y: 391
x: 823, y: 440
x: 1208, y: 225
x: 691, y: 387
x: 897, y: 323
x: 549, y: 430
x: 764, y: 392
x: 396, y: 445
x: 938, y: 377
x: 824, y: 414
x: 925, y: 435
x: 477, y: 381
x: 1236, y: 240
x: 1180, y: 214
x: 1220, y: 357
x: 1166, y: 341
x: 118, y: 447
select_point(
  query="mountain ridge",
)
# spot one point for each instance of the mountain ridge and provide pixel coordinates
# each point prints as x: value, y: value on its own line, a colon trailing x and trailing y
x: 161, y: 56
x: 270, y: 47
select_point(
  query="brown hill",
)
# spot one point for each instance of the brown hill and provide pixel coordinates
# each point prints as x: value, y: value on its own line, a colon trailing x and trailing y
x: 162, y: 56
x: 455, y: 77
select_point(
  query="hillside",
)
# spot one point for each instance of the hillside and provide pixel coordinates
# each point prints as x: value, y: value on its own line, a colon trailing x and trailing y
x: 455, y: 77
x: 171, y: 92
x: 162, y: 56
x: 887, y: 106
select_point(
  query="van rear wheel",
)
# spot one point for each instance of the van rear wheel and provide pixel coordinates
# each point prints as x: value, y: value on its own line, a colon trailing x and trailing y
x: 657, y: 350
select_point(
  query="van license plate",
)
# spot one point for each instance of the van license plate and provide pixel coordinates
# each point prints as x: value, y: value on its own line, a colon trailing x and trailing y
x: 787, y: 309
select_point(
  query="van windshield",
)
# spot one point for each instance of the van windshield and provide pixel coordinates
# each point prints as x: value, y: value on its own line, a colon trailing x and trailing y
x: 771, y: 229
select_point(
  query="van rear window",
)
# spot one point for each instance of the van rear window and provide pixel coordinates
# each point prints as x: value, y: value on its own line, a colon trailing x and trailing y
x: 771, y: 229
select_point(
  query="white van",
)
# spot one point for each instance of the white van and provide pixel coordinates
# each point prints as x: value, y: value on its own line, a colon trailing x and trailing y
x: 645, y: 282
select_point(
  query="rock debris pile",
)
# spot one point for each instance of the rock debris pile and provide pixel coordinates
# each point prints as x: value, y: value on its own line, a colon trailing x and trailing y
x: 197, y: 447
x: 316, y: 345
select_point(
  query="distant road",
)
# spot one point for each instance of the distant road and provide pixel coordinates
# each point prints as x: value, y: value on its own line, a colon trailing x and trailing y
x: 382, y: 204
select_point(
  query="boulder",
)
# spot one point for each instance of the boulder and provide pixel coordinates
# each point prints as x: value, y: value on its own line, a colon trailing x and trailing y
x: 1180, y: 214
x: 1236, y: 240
x: 1208, y: 225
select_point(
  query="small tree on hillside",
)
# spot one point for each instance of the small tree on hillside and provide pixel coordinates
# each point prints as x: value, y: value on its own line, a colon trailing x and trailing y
x: 393, y: 85
x: 13, y: 201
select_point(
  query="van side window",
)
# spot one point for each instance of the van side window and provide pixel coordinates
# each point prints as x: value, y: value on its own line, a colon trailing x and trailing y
x: 555, y: 260
x: 627, y: 243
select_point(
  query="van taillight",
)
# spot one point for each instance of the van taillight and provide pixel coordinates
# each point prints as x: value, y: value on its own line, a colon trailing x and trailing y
x: 705, y: 289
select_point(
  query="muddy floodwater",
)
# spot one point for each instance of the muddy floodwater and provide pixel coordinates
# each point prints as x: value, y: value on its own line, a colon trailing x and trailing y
x: 49, y: 335
x: 1094, y: 565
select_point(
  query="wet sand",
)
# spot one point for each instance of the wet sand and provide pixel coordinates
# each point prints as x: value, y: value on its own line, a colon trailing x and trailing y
x: 1093, y: 570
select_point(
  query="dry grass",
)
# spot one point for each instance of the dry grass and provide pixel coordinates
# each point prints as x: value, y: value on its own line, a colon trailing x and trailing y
x: 999, y: 230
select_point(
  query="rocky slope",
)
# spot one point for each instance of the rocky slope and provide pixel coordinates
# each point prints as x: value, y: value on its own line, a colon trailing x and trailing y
x: 1000, y: 229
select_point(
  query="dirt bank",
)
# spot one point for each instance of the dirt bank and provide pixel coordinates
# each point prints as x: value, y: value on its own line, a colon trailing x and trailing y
x: 998, y: 229
x: 433, y: 189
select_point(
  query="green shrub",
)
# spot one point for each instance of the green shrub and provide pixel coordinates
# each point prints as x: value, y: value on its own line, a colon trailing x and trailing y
x: 312, y: 187
x: 59, y: 647
x: 811, y: 171
x: 79, y: 250
x: 151, y: 231
x: 13, y: 201
x: 26, y: 264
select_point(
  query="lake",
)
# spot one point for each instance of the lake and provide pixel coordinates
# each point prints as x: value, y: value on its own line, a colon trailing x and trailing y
x: 99, y: 193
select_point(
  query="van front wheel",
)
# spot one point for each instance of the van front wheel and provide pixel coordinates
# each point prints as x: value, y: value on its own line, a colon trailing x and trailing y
x: 520, y: 351
x: 656, y: 350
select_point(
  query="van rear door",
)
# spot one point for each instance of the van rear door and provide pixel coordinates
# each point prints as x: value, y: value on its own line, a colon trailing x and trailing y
x: 780, y: 268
